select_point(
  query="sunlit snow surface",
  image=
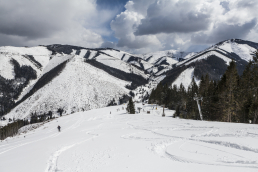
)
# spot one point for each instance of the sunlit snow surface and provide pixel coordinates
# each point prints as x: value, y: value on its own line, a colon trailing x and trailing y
x: 185, y: 78
x: 110, y: 140
x: 242, y: 50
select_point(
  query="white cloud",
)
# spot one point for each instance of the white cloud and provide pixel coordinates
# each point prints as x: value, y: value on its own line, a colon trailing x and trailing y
x: 144, y: 26
x: 163, y: 24
x: 30, y: 22
x: 124, y: 27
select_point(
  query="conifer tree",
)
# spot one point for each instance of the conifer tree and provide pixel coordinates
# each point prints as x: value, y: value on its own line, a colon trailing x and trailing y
x: 152, y: 96
x: 229, y: 94
x: 177, y: 113
x: 130, y: 107
x: 192, y: 109
x: 246, y: 83
x: 254, y: 78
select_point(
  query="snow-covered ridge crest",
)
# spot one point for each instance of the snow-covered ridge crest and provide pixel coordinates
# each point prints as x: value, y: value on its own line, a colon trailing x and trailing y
x: 213, y: 61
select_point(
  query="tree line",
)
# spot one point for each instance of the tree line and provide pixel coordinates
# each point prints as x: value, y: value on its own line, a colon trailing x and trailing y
x: 10, y: 89
x: 12, y: 129
x: 232, y: 98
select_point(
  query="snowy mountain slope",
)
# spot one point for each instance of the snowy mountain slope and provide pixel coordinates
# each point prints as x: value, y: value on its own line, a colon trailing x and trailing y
x: 143, y: 92
x: 244, y: 49
x: 19, y: 69
x: 20, y: 54
x: 99, y: 141
x: 53, y: 63
x: 162, y: 61
x: 213, y: 61
x: 173, y: 54
x: 107, y: 52
x: 42, y: 59
x: 120, y: 65
x: 78, y: 87
x: 27, y: 71
x: 185, y: 78
x: 30, y: 92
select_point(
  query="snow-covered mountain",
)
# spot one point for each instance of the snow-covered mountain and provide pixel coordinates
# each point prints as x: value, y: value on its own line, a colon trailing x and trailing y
x: 44, y: 78
x: 162, y: 61
x: 212, y: 61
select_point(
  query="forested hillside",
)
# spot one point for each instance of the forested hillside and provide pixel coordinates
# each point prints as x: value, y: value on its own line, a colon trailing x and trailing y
x: 232, y: 98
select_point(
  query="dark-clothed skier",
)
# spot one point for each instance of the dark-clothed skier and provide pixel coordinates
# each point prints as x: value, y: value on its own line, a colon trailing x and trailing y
x: 59, y: 128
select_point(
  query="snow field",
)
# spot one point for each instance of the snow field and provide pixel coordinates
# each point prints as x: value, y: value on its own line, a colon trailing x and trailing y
x: 96, y: 89
x: 37, y: 51
x: 6, y: 68
x: 205, y: 56
x: 242, y: 50
x: 40, y: 53
x: 120, y: 65
x: 99, y: 141
x: 117, y: 54
x: 185, y: 78
x: 55, y: 61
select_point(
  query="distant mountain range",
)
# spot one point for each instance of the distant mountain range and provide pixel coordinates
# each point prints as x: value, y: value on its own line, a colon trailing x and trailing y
x: 44, y: 78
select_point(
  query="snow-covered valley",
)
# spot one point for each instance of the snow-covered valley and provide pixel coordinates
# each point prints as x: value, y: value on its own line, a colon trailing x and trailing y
x: 109, y: 139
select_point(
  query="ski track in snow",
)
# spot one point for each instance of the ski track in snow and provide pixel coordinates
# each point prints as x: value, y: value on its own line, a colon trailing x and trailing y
x: 179, y: 141
x: 161, y: 148
x: 52, y: 163
x: 48, y: 137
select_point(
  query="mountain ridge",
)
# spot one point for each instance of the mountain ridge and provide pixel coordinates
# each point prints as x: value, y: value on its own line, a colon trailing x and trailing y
x: 130, y: 74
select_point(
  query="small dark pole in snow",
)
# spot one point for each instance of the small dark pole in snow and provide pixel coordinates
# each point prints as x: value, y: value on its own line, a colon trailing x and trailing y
x: 110, y: 112
x: 163, y: 114
x: 198, y: 104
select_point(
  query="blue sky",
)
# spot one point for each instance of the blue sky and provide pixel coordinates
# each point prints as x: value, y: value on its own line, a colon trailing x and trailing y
x: 136, y: 26
x: 111, y: 4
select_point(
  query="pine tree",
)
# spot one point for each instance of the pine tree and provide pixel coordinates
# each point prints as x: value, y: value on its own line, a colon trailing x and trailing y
x: 229, y: 94
x: 130, y: 107
x: 60, y: 111
x: 254, y: 78
x: 246, y: 84
x: 152, y: 96
x: 192, y: 109
x: 177, y: 113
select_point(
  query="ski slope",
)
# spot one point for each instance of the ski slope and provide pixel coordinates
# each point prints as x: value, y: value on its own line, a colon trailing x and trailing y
x: 110, y: 140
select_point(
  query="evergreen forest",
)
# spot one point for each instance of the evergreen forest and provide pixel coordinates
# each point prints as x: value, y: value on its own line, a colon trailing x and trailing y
x: 232, y: 98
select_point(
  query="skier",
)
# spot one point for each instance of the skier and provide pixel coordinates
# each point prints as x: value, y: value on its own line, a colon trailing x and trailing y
x: 59, y: 128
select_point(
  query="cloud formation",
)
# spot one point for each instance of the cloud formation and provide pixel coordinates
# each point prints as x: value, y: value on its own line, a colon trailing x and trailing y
x: 174, y: 17
x: 30, y: 22
x: 170, y: 24
x: 224, y: 31
x: 137, y: 26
